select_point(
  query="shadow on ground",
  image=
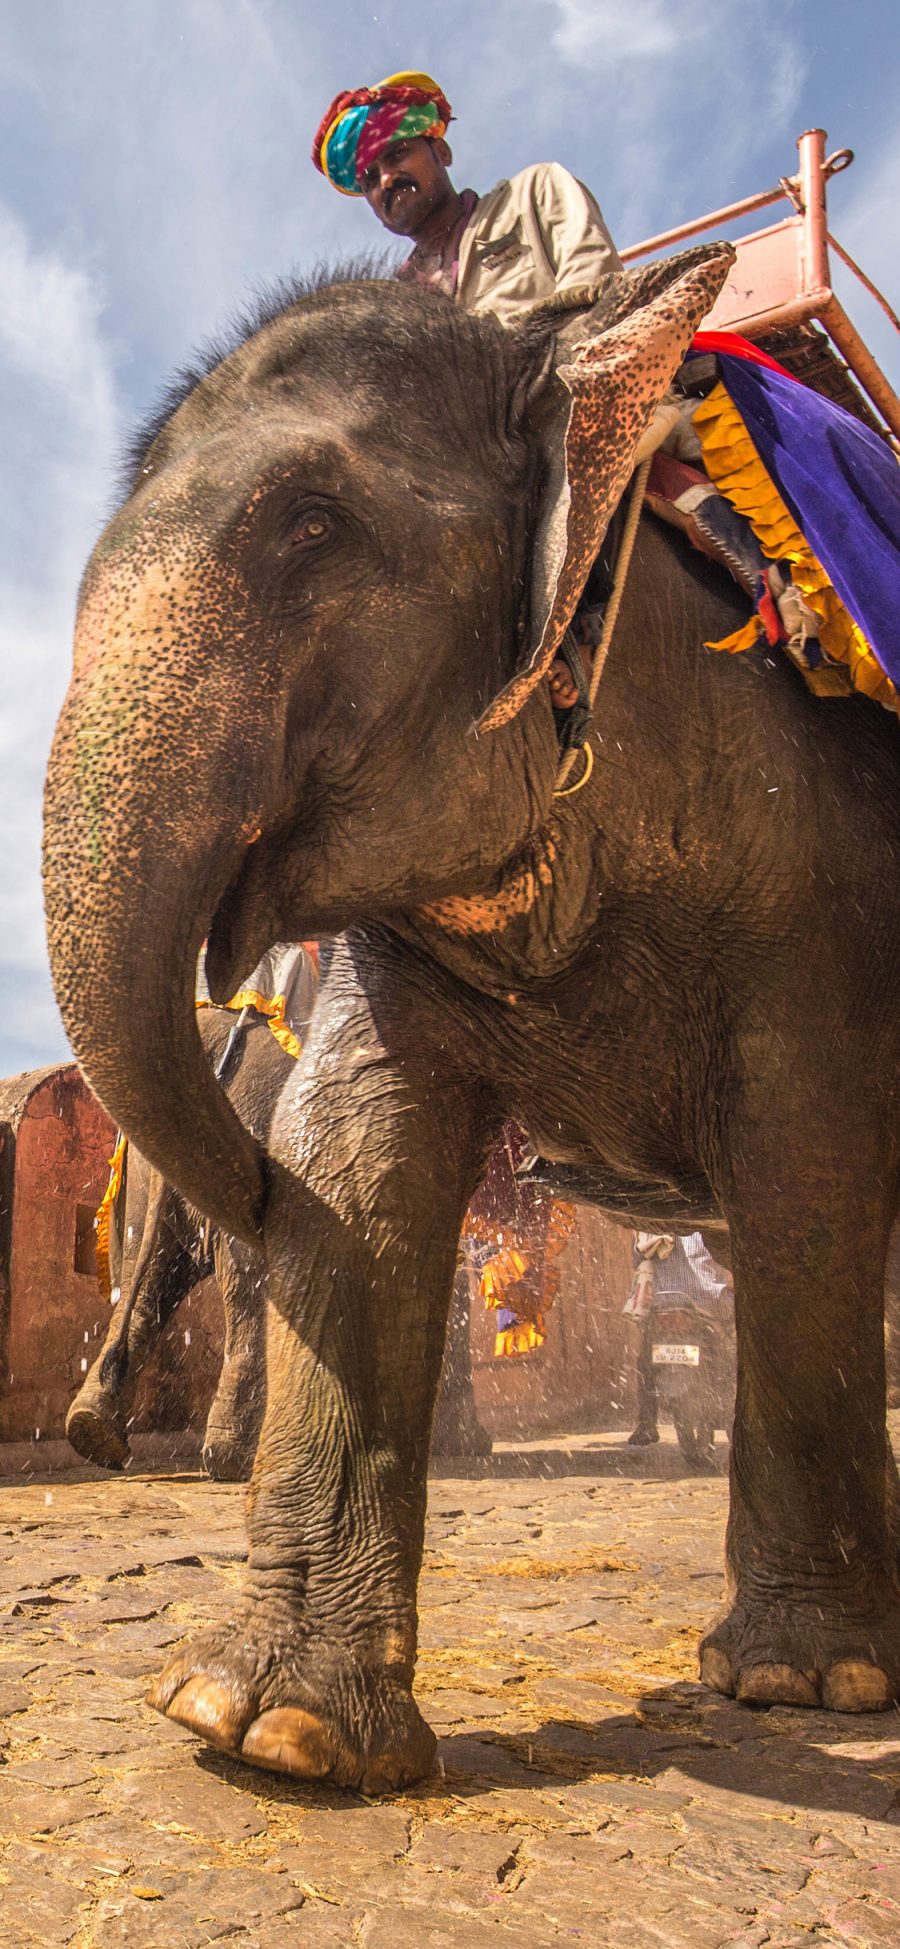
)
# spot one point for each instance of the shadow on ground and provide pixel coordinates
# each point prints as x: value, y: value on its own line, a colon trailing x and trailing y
x: 680, y: 1735
x: 813, y: 1760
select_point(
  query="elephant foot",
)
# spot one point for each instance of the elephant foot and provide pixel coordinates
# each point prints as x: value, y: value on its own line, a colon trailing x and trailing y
x: 234, y: 1422
x: 296, y: 1708
x: 227, y: 1455
x: 95, y: 1426
x: 783, y: 1656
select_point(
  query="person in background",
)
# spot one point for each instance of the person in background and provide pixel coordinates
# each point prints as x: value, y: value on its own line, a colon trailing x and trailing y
x: 670, y: 1272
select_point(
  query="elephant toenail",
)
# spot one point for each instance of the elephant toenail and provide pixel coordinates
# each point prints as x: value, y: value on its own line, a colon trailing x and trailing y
x: 715, y: 1669
x: 288, y: 1740
x: 776, y: 1685
x: 852, y: 1686
x: 206, y: 1707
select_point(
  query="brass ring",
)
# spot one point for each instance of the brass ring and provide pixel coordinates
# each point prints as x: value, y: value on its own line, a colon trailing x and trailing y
x: 565, y: 791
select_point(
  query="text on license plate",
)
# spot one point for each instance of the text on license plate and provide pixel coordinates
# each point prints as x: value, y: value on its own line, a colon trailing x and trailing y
x: 668, y: 1356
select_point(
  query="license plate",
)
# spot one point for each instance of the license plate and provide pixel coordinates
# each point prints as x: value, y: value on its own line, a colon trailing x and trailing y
x: 669, y: 1356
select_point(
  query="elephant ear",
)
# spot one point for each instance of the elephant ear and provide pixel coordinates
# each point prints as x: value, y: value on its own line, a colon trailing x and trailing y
x: 612, y: 366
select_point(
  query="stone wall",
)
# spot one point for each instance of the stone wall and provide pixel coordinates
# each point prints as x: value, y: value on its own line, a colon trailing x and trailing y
x: 56, y: 1143
x: 55, y: 1146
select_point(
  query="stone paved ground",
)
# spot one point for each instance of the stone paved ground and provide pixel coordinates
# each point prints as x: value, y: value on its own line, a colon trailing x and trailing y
x: 589, y: 1792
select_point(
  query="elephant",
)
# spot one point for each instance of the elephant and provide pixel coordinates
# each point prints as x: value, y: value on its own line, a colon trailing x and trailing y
x: 161, y: 1248
x: 308, y: 697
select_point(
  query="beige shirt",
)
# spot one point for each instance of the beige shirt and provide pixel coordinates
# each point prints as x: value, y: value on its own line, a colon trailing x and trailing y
x: 539, y: 233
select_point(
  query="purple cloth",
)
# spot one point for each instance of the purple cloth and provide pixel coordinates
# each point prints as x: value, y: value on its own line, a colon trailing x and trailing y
x: 841, y: 483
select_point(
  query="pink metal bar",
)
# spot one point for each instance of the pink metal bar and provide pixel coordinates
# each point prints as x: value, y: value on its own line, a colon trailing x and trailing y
x: 715, y: 218
x: 872, y: 289
x: 864, y: 368
x: 764, y: 282
x: 787, y: 191
x: 815, y: 272
x: 765, y: 300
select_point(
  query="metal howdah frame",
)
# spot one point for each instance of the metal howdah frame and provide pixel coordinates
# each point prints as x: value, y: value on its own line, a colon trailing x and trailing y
x: 781, y: 276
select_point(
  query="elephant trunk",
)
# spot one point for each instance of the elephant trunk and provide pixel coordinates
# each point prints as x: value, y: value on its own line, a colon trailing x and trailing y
x: 142, y: 836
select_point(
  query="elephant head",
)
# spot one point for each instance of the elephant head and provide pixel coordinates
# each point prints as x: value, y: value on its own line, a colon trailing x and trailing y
x: 308, y: 651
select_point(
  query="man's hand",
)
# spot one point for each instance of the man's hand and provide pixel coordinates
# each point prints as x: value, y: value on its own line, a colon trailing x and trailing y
x: 563, y: 688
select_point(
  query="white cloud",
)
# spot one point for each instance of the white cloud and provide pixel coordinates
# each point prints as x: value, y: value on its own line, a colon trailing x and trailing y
x: 60, y: 417
x: 683, y: 95
x: 609, y: 32
x: 48, y: 319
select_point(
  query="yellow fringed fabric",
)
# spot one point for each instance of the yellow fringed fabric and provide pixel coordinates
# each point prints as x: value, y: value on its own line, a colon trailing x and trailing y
x: 274, y: 1013
x: 560, y: 1228
x: 742, y: 639
x: 521, y: 1338
x: 508, y: 1267
x: 104, y: 1215
x: 273, y: 1010
x: 505, y: 1269
x: 732, y: 462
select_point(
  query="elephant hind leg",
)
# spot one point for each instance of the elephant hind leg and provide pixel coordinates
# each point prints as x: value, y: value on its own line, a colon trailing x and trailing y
x: 96, y: 1425
x: 456, y: 1429
x: 813, y: 1613
x: 237, y: 1408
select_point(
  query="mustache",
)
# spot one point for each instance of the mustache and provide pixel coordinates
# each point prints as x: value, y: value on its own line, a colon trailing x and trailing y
x: 403, y: 182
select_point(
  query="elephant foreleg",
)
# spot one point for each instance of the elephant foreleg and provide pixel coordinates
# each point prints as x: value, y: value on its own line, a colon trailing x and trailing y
x: 379, y: 1143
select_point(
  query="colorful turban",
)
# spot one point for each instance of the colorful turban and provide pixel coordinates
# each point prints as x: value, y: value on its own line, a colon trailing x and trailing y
x: 362, y: 121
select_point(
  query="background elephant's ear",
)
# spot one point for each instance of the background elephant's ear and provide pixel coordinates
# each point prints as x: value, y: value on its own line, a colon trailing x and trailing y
x: 613, y: 365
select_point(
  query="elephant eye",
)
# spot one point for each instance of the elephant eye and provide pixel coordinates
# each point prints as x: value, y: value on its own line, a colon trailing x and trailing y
x: 313, y: 527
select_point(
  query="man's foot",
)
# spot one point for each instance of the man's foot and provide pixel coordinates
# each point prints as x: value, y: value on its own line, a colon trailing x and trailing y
x: 562, y: 686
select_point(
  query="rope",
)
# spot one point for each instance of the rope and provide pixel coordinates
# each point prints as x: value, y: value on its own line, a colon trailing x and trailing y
x: 623, y: 563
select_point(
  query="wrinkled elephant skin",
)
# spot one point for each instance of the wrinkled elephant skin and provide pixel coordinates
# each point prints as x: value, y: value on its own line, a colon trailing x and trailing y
x: 161, y: 1248
x: 681, y: 979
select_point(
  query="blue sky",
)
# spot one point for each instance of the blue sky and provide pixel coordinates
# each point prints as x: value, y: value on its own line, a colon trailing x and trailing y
x: 154, y: 166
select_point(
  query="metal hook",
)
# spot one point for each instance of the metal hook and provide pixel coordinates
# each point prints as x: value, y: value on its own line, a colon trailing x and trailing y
x: 565, y: 791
